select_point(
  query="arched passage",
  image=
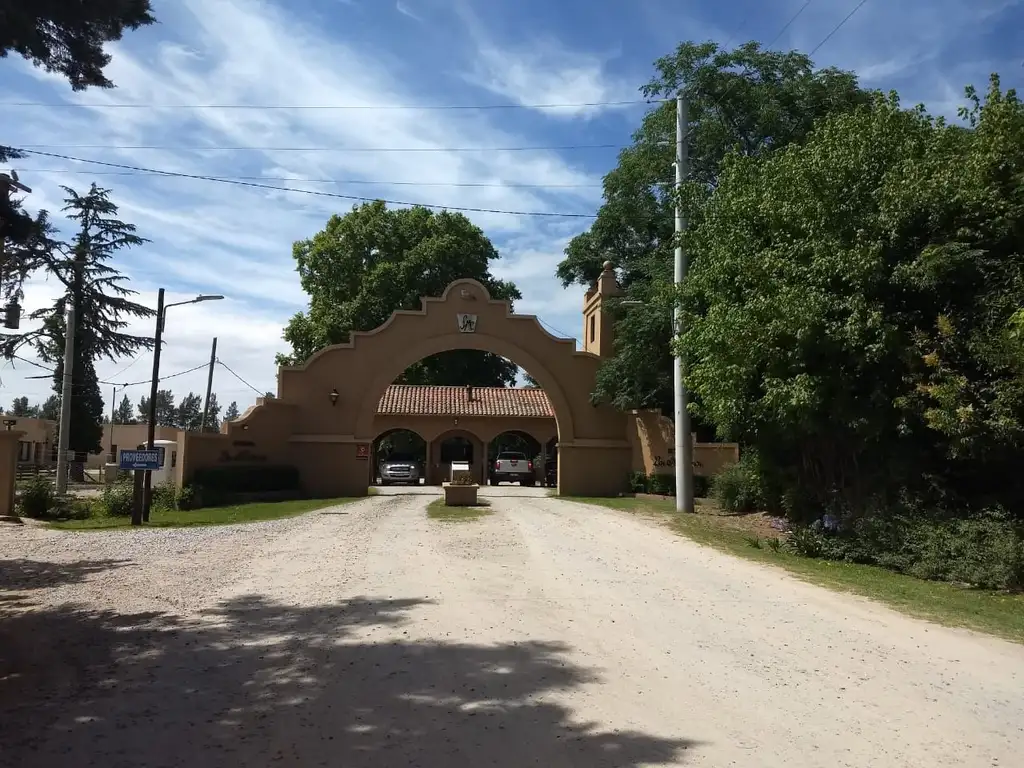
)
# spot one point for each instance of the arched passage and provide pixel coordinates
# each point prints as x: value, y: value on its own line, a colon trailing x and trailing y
x: 507, y: 445
x: 456, y: 445
x: 334, y: 396
x: 397, y: 456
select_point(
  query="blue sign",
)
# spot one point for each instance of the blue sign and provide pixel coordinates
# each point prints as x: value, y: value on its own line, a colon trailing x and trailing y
x: 140, y: 459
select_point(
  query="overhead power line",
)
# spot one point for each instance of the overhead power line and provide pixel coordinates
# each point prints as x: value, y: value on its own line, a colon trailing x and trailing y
x: 314, y: 180
x: 367, y: 107
x: 225, y: 366
x: 115, y: 383
x: 218, y: 148
x: 314, y: 192
x: 838, y: 26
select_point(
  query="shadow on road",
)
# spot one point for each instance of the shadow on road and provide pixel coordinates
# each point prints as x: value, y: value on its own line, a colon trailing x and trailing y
x: 256, y: 682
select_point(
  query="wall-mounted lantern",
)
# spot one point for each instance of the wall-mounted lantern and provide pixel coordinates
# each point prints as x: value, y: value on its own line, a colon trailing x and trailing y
x: 9, y: 423
x: 334, y: 397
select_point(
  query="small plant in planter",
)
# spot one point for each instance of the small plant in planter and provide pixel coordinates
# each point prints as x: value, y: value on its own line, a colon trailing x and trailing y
x: 461, y: 491
x: 462, y: 478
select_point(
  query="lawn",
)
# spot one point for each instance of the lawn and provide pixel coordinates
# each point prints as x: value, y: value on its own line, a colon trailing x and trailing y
x: 750, y: 537
x: 239, y: 513
x: 438, y: 510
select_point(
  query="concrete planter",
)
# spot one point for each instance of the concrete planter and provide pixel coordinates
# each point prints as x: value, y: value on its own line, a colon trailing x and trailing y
x: 460, y: 495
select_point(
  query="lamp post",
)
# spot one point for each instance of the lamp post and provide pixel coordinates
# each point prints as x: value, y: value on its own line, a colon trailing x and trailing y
x: 142, y: 515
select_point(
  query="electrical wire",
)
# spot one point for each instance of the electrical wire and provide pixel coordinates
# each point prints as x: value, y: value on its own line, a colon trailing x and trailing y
x: 314, y: 192
x: 259, y: 392
x: 222, y: 148
x: 838, y: 26
x: 367, y: 107
x: 51, y: 371
x: 301, y: 180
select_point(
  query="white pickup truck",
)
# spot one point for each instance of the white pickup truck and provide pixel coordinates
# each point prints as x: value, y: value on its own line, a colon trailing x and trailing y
x: 512, y: 467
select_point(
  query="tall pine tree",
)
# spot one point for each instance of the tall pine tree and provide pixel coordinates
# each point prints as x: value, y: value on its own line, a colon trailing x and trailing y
x: 102, y: 304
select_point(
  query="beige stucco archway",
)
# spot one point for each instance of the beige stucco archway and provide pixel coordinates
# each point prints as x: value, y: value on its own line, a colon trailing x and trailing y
x: 325, y: 416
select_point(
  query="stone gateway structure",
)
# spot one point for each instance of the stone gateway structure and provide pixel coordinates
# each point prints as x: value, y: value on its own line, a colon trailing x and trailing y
x: 329, y: 411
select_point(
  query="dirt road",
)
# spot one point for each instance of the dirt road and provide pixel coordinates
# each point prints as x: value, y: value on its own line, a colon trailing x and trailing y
x: 547, y: 634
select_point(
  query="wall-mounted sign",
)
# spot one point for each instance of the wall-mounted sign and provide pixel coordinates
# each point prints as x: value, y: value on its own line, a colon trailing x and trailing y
x: 467, y: 323
x: 362, y: 450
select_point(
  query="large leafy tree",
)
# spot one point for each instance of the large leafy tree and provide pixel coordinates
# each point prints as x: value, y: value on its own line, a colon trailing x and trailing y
x: 744, y: 100
x: 190, y: 412
x: 68, y: 37
x: 849, y: 314
x: 372, y: 261
x: 231, y: 412
x: 103, y: 307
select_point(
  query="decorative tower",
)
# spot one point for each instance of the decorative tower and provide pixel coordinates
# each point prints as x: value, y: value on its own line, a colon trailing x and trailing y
x: 598, y: 328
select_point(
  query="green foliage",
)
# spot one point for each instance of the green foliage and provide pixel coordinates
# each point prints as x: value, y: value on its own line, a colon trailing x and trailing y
x: 37, y: 497
x: 738, y: 489
x: 984, y: 550
x: 118, y: 499
x: 373, y: 261
x: 186, y: 498
x: 69, y: 37
x: 848, y: 308
x: 743, y: 100
x: 39, y: 500
x: 665, y: 485
x: 125, y: 413
x: 165, y: 496
x: 102, y: 304
x: 231, y: 413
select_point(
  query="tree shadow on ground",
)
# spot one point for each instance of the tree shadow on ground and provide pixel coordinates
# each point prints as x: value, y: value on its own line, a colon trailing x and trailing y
x: 256, y: 683
x: 20, y: 574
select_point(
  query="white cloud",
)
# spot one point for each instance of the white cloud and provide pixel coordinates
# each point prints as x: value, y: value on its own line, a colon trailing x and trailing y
x: 405, y: 10
x: 236, y: 240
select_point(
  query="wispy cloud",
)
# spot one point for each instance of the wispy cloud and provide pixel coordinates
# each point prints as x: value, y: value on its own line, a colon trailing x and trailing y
x: 266, y: 54
x: 405, y: 10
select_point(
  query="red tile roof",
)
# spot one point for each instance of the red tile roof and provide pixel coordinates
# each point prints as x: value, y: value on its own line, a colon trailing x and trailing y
x: 410, y: 400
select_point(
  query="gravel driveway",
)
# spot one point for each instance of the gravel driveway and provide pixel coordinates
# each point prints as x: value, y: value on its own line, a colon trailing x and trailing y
x: 547, y: 634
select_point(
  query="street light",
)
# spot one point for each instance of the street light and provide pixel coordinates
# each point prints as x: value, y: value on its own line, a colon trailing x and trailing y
x: 680, y: 425
x: 161, y: 316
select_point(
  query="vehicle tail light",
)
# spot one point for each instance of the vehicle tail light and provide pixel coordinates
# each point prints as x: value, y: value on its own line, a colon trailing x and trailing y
x: 497, y: 465
x: 529, y: 465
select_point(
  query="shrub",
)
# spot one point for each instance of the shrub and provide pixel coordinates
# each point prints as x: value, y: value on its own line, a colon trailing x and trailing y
x: 663, y: 485
x: 165, y: 496
x: 985, y: 550
x: 117, y: 499
x: 72, y: 508
x: 637, y: 482
x: 738, y: 488
x: 462, y: 478
x: 186, y: 498
x: 37, y: 497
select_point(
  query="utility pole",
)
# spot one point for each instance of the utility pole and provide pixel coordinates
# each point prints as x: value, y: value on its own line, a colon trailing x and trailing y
x: 147, y: 482
x: 209, y: 386
x: 113, y: 415
x: 65, y: 402
x: 684, y: 443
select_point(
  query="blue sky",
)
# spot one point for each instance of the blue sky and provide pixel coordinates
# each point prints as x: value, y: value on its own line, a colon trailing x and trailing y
x: 209, y: 237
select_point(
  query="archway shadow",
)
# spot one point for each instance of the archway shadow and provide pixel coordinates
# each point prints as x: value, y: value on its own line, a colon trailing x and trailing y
x: 256, y: 682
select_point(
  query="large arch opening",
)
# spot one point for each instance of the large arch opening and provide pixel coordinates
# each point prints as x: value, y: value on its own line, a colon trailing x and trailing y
x: 514, y: 456
x: 333, y: 403
x: 398, y: 457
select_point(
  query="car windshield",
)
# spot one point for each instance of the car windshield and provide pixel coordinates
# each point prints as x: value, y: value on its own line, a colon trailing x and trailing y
x: 398, y: 457
x: 511, y: 456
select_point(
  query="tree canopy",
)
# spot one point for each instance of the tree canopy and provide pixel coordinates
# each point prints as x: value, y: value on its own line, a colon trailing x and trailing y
x: 69, y: 37
x: 850, y: 307
x: 746, y: 100
x: 373, y: 261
